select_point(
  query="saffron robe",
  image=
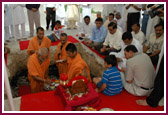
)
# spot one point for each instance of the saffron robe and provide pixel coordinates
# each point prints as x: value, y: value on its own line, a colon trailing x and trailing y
x: 38, y: 70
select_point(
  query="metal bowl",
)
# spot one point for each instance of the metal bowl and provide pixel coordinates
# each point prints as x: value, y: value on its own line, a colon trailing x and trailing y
x: 106, y: 109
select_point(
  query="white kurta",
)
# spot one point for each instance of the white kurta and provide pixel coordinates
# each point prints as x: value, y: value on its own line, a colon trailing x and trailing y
x: 114, y: 40
x: 86, y: 29
x: 86, y: 10
x: 121, y: 55
x: 139, y: 36
x: 18, y: 14
x: 121, y: 23
x: 109, y: 8
x: 73, y: 13
x: 7, y: 15
x: 60, y: 11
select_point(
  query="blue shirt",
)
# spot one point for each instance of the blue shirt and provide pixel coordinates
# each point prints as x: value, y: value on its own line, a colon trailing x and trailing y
x: 99, y: 35
x: 112, y: 78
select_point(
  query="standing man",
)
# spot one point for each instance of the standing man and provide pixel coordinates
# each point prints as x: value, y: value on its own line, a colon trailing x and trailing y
x: 73, y: 16
x: 50, y: 10
x: 139, y: 74
x: 107, y: 9
x: 133, y: 15
x: 38, y: 70
x: 19, y: 19
x: 33, y: 17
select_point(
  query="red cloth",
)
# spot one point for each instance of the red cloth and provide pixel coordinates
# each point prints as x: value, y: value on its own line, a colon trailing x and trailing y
x: 44, y: 101
x: 92, y: 99
x: 24, y: 90
x: 24, y: 44
x: 48, y: 101
x: 102, y: 56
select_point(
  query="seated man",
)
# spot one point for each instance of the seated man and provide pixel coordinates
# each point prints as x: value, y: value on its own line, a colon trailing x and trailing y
x: 127, y: 39
x: 61, y: 54
x: 139, y: 73
x: 110, y: 18
x: 120, y: 21
x: 85, y: 31
x: 137, y: 33
x: 98, y: 35
x: 110, y: 84
x: 58, y: 29
x: 113, y: 40
x: 38, y: 41
x: 154, y: 44
x: 38, y: 70
x: 76, y: 65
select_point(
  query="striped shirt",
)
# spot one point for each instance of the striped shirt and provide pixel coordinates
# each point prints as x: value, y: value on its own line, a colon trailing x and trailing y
x: 112, y: 78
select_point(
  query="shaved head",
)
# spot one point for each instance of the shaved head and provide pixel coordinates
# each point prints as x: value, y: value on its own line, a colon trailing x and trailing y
x: 43, y: 54
x: 43, y: 51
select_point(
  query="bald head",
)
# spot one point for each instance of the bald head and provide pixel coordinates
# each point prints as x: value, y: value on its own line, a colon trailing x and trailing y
x: 43, y: 51
x: 43, y: 54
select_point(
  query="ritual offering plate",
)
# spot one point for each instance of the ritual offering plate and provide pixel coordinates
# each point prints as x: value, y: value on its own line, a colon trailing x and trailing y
x: 52, y: 86
x: 106, y: 109
x: 85, y: 108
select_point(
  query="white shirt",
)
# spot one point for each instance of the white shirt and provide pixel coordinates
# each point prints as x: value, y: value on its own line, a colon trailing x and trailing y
x: 120, y: 22
x: 121, y: 55
x: 114, y: 40
x: 139, y: 36
x: 18, y: 14
x: 131, y: 9
x: 106, y: 23
x: 49, y: 6
x: 86, y: 29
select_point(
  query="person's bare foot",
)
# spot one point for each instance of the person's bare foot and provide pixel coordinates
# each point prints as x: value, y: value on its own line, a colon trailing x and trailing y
x: 68, y: 28
x: 75, y: 27
x: 142, y: 102
x: 7, y: 40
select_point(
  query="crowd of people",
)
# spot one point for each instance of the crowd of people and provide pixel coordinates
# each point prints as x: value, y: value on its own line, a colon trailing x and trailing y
x: 117, y: 34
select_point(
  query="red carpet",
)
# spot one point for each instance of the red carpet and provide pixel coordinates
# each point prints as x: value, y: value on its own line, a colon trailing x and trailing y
x: 24, y: 44
x: 24, y: 90
x: 95, y: 51
x: 47, y: 101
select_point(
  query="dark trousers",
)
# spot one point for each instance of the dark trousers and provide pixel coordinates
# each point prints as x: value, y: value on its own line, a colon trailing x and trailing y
x: 154, y: 59
x: 50, y: 16
x: 158, y: 91
x: 131, y: 19
x: 107, y: 52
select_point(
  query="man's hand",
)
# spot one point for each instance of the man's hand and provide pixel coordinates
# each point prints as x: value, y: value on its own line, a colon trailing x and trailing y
x: 102, y: 50
x: 54, y: 9
x: 47, y: 81
x: 118, y: 59
x: 97, y: 90
x: 45, y: 12
x: 162, y: 12
x: 34, y: 9
x: 32, y: 52
x: 123, y: 69
x: 82, y: 35
x: 89, y: 42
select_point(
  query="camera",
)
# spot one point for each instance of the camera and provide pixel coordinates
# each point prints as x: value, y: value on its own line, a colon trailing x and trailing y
x: 155, y: 11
